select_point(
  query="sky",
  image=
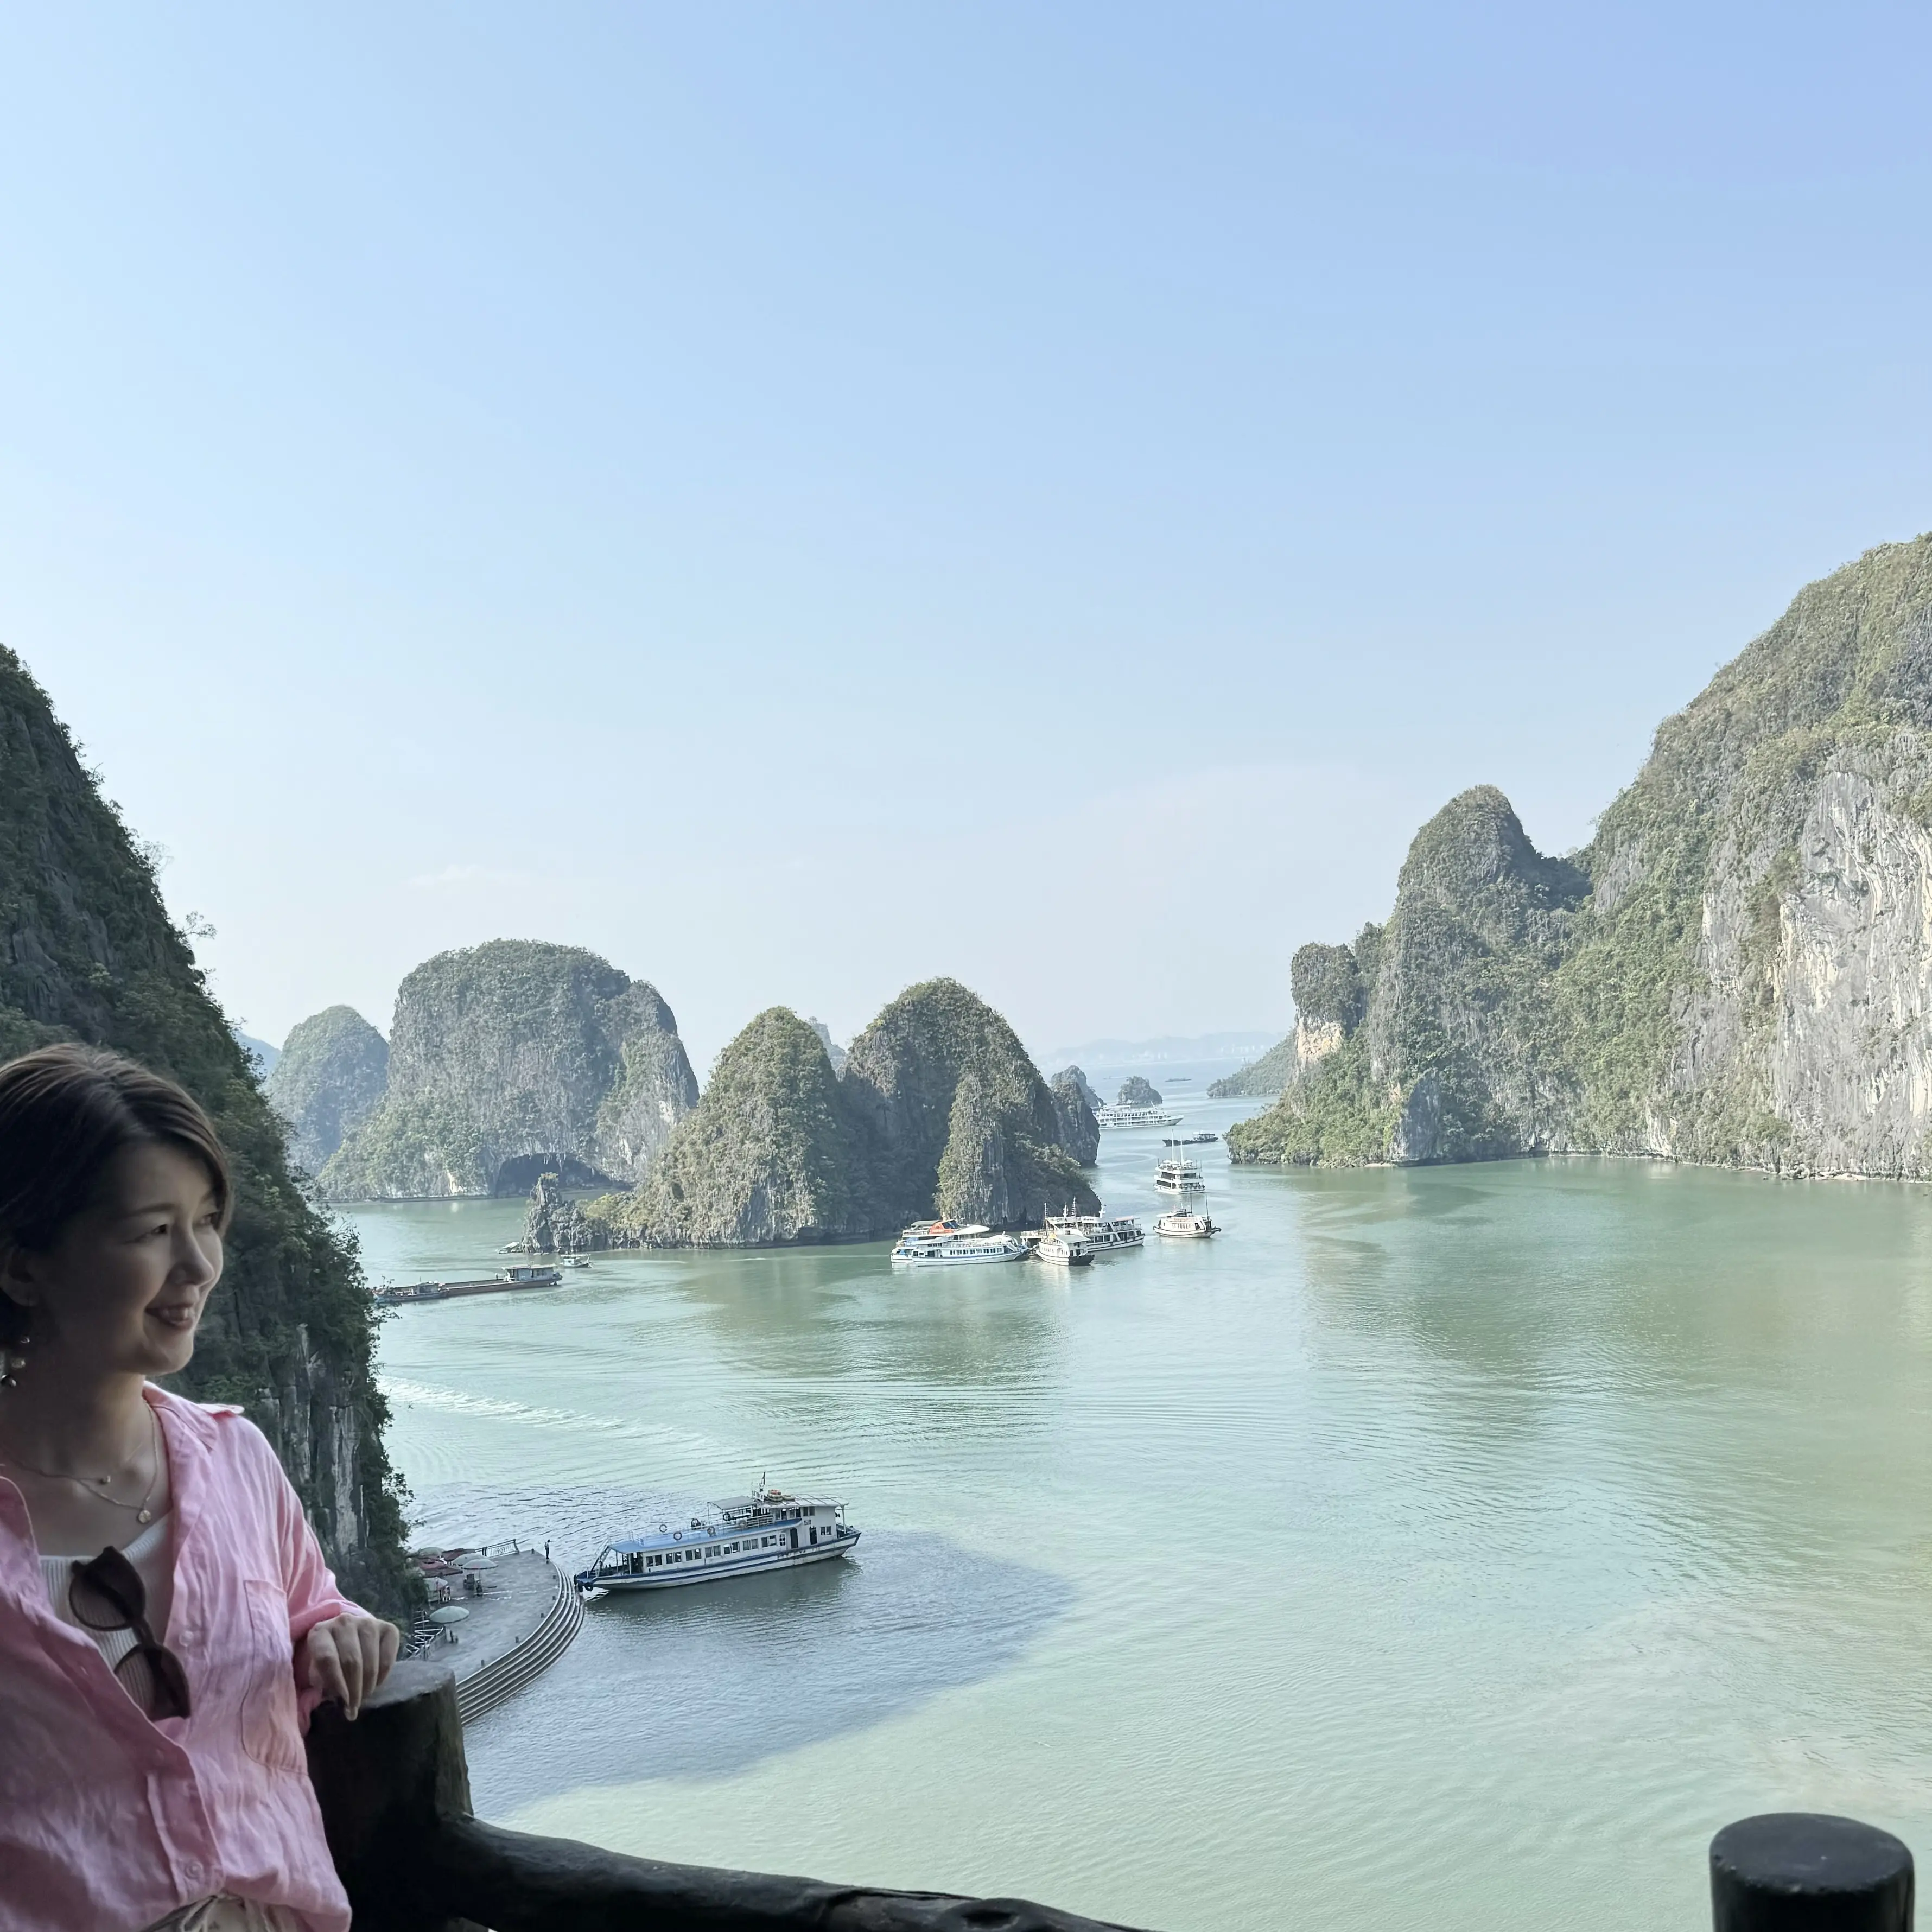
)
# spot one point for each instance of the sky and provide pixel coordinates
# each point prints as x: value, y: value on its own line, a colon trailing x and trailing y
x: 800, y: 498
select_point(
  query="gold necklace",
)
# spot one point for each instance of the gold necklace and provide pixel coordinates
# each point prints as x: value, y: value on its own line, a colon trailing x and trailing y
x: 97, y: 1486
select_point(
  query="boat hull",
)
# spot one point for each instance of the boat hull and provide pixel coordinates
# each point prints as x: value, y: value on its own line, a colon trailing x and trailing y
x: 717, y: 1573
x: 957, y: 1260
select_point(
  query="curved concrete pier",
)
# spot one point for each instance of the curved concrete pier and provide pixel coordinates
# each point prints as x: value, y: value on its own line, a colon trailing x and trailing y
x: 521, y: 1624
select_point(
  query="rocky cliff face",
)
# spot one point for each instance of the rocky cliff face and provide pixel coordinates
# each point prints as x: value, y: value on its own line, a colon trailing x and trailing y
x: 1080, y: 1081
x: 88, y: 952
x: 1330, y: 996
x: 965, y: 1123
x: 553, y: 1224
x: 333, y: 1069
x: 773, y: 1154
x: 1079, y: 1131
x: 940, y: 1112
x: 515, y: 1059
x: 834, y: 1051
x: 1136, y: 1091
x: 1738, y: 969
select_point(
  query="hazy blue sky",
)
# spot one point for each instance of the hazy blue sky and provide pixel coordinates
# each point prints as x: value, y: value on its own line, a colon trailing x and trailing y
x: 802, y: 497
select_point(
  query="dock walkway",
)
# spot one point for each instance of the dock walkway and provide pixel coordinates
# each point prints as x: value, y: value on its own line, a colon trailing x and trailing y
x: 523, y: 1622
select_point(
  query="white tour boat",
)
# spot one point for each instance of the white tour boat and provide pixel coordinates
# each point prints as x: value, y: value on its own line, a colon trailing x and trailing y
x: 1180, y: 1176
x: 1063, y: 1250
x: 1102, y: 1233
x: 1184, y: 1223
x: 1136, y: 1117
x: 947, y: 1244
x: 748, y: 1534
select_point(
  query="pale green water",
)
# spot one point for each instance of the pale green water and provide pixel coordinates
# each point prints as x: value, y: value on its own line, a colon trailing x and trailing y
x: 1457, y: 1547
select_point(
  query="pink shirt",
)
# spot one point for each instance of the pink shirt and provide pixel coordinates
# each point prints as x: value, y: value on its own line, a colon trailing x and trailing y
x: 109, y: 1821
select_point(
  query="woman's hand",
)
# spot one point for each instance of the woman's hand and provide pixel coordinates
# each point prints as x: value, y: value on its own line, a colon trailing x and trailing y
x: 349, y: 1656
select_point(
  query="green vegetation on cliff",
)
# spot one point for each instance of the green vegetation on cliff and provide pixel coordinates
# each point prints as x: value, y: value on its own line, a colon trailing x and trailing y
x: 91, y: 954
x: 939, y: 1110
x: 332, y: 1072
x: 1331, y: 985
x: 513, y: 1059
x: 964, y: 1122
x: 772, y: 1153
x: 1734, y: 969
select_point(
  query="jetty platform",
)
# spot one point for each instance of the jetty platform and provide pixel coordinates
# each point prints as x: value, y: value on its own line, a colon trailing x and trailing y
x: 520, y: 1622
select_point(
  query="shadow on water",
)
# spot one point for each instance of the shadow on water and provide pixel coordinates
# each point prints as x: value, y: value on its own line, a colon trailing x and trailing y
x: 706, y: 1682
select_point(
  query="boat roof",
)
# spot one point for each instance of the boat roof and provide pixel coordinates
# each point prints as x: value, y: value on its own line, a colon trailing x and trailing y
x: 664, y: 1539
x: 768, y: 1501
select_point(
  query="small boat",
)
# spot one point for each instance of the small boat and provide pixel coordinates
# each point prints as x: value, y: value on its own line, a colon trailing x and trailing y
x: 389, y: 1296
x: 741, y: 1537
x: 1191, y: 1140
x: 948, y: 1244
x: 1103, y: 1233
x: 572, y: 1262
x: 1180, y: 1176
x: 1136, y: 1117
x: 1063, y: 1250
x: 1186, y: 1225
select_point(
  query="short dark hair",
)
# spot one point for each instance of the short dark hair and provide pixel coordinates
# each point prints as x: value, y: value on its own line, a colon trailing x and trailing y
x: 65, y: 1112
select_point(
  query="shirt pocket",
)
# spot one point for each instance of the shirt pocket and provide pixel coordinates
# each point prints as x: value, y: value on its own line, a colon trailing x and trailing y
x: 271, y: 1721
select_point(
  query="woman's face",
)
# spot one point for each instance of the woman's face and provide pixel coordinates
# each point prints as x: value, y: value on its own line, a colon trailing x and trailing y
x: 122, y: 1289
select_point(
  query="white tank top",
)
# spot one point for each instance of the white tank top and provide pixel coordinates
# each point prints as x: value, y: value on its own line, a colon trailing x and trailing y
x: 152, y: 1556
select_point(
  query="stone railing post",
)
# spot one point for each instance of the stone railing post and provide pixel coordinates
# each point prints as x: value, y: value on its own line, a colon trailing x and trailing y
x: 1802, y: 1871
x: 389, y: 1785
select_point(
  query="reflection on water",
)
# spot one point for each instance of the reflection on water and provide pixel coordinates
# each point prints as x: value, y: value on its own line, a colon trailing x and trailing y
x: 717, y: 1677
x: 1459, y: 1547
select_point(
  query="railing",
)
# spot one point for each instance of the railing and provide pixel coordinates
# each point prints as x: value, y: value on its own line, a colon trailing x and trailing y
x: 484, y: 1690
x: 394, y: 1790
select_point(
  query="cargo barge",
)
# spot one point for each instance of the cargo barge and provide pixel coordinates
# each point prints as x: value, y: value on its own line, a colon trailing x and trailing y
x: 411, y: 1292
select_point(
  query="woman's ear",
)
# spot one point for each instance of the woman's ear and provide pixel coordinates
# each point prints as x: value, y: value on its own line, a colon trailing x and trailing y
x: 17, y: 1280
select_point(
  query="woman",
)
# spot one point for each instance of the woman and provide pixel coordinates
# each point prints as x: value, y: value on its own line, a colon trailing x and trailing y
x: 167, y: 1621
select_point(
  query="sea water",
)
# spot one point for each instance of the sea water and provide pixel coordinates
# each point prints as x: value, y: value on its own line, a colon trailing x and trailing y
x: 1458, y: 1546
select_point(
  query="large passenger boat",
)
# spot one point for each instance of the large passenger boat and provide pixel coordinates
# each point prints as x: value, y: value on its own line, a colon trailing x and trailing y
x: 1180, y: 1175
x: 948, y: 1244
x: 1102, y: 1233
x: 1136, y: 1117
x: 743, y: 1536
